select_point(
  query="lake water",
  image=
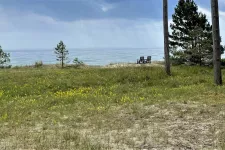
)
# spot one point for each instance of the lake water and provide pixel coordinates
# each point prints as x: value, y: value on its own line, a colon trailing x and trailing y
x: 91, y: 56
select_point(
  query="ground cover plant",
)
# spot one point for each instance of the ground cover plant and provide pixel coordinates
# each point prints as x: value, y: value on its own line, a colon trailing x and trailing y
x: 111, y: 108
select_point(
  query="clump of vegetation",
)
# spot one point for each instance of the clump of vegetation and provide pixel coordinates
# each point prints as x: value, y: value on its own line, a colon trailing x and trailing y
x: 78, y: 62
x: 4, y: 59
x: 38, y: 64
x: 223, y: 62
x: 61, y: 53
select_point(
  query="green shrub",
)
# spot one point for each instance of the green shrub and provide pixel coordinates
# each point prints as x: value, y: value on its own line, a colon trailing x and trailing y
x: 77, y: 62
x: 5, y: 67
x: 223, y: 62
x: 176, y: 61
x: 38, y: 64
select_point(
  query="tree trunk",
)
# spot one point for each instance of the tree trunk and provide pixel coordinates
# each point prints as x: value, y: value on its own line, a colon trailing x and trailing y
x: 166, y: 37
x: 62, y: 60
x: 216, y: 43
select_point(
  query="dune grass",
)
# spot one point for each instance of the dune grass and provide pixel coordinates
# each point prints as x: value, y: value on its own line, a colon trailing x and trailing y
x: 111, y: 108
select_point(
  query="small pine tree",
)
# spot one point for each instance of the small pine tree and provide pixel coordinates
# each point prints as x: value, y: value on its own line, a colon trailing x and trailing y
x: 61, y: 53
x: 4, y: 57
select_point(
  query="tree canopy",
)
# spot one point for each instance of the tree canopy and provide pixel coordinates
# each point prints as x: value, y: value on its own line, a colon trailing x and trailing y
x: 191, y: 37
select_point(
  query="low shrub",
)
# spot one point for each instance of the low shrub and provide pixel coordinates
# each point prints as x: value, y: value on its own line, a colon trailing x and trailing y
x: 5, y: 67
x: 223, y: 62
x: 78, y: 62
x: 38, y: 64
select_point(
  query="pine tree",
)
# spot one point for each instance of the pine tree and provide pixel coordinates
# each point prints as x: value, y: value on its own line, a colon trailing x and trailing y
x: 61, y: 53
x: 191, y: 34
x: 4, y: 57
x: 185, y: 19
x: 201, y: 52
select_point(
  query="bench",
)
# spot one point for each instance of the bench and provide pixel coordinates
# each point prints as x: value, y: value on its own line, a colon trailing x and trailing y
x: 149, y: 59
x: 142, y: 60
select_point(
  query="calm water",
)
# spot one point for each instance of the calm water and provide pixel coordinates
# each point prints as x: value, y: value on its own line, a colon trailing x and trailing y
x: 88, y: 56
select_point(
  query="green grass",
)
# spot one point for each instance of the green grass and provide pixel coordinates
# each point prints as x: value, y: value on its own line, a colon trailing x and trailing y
x: 111, y: 108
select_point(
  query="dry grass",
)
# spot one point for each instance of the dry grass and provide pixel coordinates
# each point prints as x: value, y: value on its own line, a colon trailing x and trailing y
x: 119, y: 65
x: 135, y: 126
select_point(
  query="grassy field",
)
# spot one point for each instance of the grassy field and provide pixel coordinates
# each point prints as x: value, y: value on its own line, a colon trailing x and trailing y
x: 111, y: 108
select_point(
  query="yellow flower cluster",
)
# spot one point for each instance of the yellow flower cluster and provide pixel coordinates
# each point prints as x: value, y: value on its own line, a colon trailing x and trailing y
x: 86, y: 92
x: 99, y: 92
x: 126, y: 99
x: 83, y: 91
x: 27, y: 101
x: 4, y: 117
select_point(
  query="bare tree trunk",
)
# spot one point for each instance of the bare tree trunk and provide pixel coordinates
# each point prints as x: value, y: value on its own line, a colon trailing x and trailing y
x: 62, y: 60
x: 166, y: 37
x: 216, y: 43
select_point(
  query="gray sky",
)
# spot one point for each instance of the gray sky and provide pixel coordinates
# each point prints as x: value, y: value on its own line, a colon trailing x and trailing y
x: 41, y: 24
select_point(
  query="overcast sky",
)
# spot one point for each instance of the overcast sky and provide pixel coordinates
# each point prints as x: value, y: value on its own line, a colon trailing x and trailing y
x: 35, y: 24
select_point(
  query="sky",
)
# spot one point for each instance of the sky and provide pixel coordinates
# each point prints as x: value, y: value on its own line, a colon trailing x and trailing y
x: 41, y: 24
